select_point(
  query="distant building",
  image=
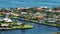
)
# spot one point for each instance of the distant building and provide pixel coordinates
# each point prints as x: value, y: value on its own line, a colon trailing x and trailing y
x: 14, y: 14
x: 56, y: 11
x: 7, y: 20
x: 41, y: 8
x: 2, y: 12
x: 39, y: 17
x: 22, y: 8
x: 24, y: 13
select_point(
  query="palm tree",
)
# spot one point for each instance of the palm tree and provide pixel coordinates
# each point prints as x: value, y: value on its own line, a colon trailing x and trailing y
x: 56, y: 8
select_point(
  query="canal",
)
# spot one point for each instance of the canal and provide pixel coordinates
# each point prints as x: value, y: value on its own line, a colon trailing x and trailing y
x: 38, y: 29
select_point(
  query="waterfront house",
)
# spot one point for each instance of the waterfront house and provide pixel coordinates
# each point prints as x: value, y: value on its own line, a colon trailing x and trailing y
x: 57, y: 13
x: 50, y: 20
x: 7, y: 20
x: 39, y: 17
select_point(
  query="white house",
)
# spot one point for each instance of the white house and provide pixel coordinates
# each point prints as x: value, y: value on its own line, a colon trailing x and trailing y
x: 23, y: 12
x: 7, y: 20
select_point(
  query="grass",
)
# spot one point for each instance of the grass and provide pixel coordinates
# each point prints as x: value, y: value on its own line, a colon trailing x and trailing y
x: 25, y: 26
x: 43, y: 23
x: 53, y: 24
x: 33, y: 20
x: 1, y: 15
x: 50, y: 24
x: 17, y: 27
x: 28, y: 26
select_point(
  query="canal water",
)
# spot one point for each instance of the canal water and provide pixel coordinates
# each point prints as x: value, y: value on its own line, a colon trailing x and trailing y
x: 38, y: 29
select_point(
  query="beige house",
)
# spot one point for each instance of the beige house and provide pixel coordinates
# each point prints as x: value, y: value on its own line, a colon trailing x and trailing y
x: 14, y: 14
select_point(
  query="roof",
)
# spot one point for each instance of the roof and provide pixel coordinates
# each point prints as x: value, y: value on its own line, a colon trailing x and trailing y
x: 56, y: 10
x: 40, y: 17
x: 2, y: 12
x: 21, y: 8
x: 14, y: 14
x: 41, y: 8
x: 7, y: 20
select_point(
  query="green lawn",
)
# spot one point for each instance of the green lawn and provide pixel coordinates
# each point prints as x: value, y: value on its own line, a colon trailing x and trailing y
x: 19, y: 27
x: 1, y: 15
x: 33, y: 20
x: 14, y: 27
x: 50, y: 24
x: 25, y: 26
x: 53, y: 24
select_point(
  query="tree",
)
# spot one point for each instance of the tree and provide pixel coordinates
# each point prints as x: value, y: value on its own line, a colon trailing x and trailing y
x: 56, y: 8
